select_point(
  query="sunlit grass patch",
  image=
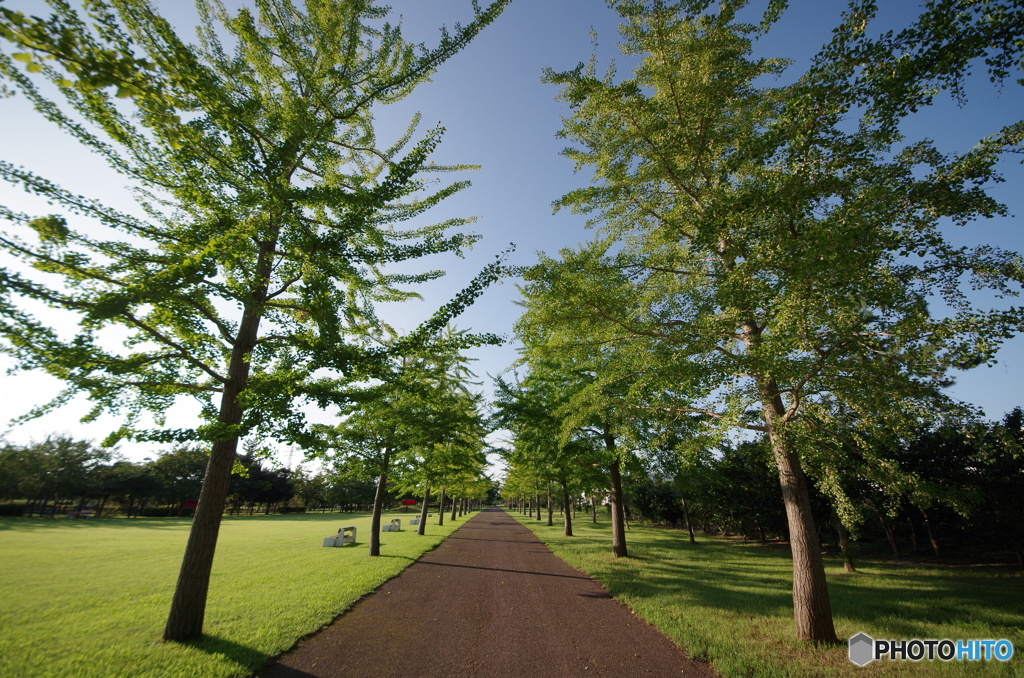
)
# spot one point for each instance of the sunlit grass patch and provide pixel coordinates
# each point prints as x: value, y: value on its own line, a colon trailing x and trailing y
x: 731, y: 604
x: 89, y: 598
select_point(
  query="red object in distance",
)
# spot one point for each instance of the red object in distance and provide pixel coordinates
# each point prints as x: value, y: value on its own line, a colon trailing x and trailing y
x: 409, y: 502
x: 190, y: 504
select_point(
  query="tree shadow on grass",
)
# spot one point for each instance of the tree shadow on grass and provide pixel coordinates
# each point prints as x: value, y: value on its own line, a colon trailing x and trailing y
x: 902, y: 601
x: 748, y: 579
x: 236, y: 653
x: 728, y: 589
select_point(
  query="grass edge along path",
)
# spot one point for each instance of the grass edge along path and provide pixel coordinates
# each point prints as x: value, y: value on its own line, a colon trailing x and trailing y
x: 84, y: 599
x: 730, y: 603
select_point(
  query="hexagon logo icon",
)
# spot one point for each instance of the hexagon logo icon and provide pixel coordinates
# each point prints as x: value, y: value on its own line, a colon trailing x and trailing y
x: 861, y: 649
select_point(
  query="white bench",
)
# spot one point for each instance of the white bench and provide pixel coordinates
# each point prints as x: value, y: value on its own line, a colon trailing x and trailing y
x: 346, y: 535
x: 395, y: 526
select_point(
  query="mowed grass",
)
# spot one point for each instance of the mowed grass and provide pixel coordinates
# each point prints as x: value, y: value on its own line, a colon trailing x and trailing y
x: 730, y: 603
x: 89, y: 598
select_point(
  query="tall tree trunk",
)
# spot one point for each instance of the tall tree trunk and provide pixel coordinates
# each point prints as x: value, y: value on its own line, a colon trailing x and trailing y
x: 913, y: 536
x: 844, y: 543
x: 440, y: 508
x: 618, y: 514
x: 378, y: 502
x: 551, y: 508
x: 931, y: 536
x: 455, y: 509
x: 686, y: 516
x: 890, y: 535
x: 423, y: 512
x: 565, y: 503
x: 188, y: 608
x: 812, y: 608
x: 593, y: 504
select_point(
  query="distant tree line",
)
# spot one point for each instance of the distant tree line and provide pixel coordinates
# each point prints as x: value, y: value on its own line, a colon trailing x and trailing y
x: 61, y: 476
x: 952, y: 490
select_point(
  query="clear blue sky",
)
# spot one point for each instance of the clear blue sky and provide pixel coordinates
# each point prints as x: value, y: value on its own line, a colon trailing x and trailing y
x: 499, y: 115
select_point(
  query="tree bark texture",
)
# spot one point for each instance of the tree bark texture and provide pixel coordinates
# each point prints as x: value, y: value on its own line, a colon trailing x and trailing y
x: 913, y: 535
x: 565, y: 504
x: 686, y: 516
x: 618, y: 513
x: 188, y: 608
x: 551, y: 508
x: 812, y: 608
x: 440, y: 508
x: 378, y: 503
x: 889, y: 528
x: 844, y: 543
x: 931, y: 535
x: 420, y: 529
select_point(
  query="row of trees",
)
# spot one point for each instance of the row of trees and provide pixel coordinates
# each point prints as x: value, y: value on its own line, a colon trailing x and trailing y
x: 63, y: 472
x: 766, y: 258
x: 949, y: 491
x: 271, y: 220
x: 63, y: 476
x: 771, y: 256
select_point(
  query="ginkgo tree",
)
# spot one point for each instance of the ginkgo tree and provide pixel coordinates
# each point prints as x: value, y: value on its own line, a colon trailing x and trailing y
x: 272, y: 218
x: 529, y: 409
x: 421, y: 417
x: 768, y: 250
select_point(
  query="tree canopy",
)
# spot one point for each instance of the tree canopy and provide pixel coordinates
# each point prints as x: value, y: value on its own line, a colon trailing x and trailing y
x: 768, y: 253
x: 273, y: 218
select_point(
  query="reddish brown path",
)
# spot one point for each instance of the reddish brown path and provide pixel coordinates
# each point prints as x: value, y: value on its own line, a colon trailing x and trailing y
x: 490, y: 601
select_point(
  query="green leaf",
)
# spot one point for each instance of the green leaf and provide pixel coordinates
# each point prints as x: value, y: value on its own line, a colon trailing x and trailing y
x: 22, y: 56
x: 52, y: 228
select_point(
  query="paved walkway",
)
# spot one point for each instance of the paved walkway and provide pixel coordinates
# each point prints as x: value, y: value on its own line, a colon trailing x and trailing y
x: 491, y: 601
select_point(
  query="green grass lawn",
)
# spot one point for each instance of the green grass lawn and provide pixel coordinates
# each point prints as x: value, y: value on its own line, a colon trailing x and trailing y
x: 731, y: 603
x: 89, y: 598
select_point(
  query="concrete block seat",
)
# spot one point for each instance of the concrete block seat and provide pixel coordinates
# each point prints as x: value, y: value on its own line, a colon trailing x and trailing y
x: 346, y: 535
